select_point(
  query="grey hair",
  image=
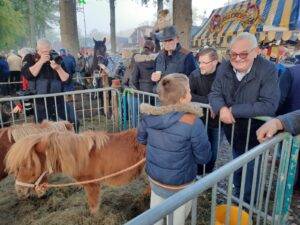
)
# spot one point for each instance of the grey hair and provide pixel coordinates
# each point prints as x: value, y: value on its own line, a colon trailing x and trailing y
x: 43, y: 42
x: 245, y: 36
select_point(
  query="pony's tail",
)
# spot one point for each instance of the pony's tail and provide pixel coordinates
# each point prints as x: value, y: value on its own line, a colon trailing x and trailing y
x: 22, y: 151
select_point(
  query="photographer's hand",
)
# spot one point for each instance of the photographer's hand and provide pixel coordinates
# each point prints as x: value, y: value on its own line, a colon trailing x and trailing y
x: 35, y: 69
x: 54, y: 65
x: 63, y: 75
x: 45, y: 57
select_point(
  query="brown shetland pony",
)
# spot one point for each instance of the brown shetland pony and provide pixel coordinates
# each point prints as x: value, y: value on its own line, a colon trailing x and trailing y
x: 9, y: 135
x: 84, y: 156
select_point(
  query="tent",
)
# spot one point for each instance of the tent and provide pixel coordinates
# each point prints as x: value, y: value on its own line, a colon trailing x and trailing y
x: 269, y: 20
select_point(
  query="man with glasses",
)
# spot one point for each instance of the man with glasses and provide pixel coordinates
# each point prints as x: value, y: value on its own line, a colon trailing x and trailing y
x: 246, y: 86
x: 172, y: 58
x: 201, y: 81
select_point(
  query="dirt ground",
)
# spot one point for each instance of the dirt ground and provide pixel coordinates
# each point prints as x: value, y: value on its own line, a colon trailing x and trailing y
x: 69, y: 206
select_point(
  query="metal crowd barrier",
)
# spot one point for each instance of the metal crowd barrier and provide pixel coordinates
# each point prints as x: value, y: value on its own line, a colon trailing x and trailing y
x: 10, y: 88
x: 269, y: 208
x: 131, y: 99
x: 86, y: 109
x: 273, y: 177
x: 106, y: 109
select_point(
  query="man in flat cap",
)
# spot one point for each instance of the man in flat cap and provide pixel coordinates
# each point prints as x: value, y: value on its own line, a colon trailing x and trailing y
x: 172, y: 58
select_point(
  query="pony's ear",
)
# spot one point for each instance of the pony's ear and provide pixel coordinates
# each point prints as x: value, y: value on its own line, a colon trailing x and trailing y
x: 104, y: 40
x: 41, y: 146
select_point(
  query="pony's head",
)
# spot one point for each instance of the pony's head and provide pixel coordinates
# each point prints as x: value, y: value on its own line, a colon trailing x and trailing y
x: 100, y: 47
x: 10, y: 135
x: 33, y: 156
x: 100, y: 56
x: 26, y: 161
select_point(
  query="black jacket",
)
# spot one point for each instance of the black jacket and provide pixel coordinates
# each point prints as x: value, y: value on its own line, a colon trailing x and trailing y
x: 200, y: 88
x: 142, y: 70
x: 47, y: 81
x: 181, y: 61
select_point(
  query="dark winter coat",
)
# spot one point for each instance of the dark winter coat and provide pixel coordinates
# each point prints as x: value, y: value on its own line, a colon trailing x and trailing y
x: 181, y: 61
x: 291, y: 122
x: 257, y: 94
x: 289, y: 83
x: 176, y: 142
x: 200, y: 88
x: 141, y: 75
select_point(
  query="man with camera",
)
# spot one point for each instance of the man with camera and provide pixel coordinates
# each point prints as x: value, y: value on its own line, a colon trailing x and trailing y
x: 46, y: 74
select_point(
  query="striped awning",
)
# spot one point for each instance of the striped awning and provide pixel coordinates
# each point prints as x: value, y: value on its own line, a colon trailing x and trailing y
x: 269, y: 20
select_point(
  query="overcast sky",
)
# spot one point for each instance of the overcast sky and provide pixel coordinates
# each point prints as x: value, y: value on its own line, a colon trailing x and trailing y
x: 130, y: 13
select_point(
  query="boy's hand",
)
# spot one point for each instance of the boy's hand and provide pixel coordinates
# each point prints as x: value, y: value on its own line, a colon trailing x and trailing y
x: 155, y: 76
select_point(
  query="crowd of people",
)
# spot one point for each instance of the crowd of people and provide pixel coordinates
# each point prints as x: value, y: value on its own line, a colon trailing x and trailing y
x: 244, y: 86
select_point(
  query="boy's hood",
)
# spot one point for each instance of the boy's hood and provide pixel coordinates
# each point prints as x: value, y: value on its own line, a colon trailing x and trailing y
x: 161, y: 117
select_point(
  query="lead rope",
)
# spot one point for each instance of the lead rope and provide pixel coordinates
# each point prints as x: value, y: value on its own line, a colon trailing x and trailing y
x: 46, y: 185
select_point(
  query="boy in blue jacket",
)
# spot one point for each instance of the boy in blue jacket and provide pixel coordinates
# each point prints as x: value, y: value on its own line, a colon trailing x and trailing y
x: 176, y: 142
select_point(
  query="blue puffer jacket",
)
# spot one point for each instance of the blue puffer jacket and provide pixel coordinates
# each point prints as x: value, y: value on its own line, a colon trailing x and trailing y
x: 174, y: 145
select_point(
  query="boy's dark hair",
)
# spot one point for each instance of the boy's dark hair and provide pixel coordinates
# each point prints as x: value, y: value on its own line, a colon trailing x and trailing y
x: 210, y: 51
x: 172, y: 87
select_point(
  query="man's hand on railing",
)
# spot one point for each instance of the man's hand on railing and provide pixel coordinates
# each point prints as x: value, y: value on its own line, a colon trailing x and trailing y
x: 269, y: 129
x: 226, y: 115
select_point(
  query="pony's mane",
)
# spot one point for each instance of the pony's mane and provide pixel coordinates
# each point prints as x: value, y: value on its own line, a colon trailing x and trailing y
x: 22, y: 154
x: 65, y: 152
x: 20, y: 131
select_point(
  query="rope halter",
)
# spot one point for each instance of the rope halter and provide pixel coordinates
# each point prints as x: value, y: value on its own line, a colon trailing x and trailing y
x: 36, y: 185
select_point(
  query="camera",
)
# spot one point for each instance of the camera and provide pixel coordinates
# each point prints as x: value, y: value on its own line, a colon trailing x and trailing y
x: 56, y: 57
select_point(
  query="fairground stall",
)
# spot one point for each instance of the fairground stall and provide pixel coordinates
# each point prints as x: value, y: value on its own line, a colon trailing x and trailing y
x: 274, y: 22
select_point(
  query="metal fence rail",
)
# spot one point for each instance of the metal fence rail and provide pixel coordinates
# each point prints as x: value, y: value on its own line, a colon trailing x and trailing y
x: 87, y: 109
x: 262, y: 211
x: 273, y: 162
x: 273, y: 175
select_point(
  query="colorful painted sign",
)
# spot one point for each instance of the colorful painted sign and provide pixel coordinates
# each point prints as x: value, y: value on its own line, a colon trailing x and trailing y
x: 248, y: 16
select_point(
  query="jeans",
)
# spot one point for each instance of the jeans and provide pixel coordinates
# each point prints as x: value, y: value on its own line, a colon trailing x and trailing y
x: 179, y: 215
x: 237, y: 177
x: 62, y: 113
x: 213, y: 137
x: 133, y: 110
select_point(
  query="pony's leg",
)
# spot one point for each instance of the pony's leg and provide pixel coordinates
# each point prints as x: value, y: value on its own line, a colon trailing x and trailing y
x: 93, y: 192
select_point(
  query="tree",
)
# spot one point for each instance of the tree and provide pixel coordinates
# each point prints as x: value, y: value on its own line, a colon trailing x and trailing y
x: 112, y: 26
x: 159, y: 4
x: 39, y: 16
x: 68, y: 25
x: 32, y: 35
x: 11, y: 25
x: 182, y: 19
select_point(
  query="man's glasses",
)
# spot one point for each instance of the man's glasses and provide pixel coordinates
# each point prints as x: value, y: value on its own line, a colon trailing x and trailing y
x: 242, y: 55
